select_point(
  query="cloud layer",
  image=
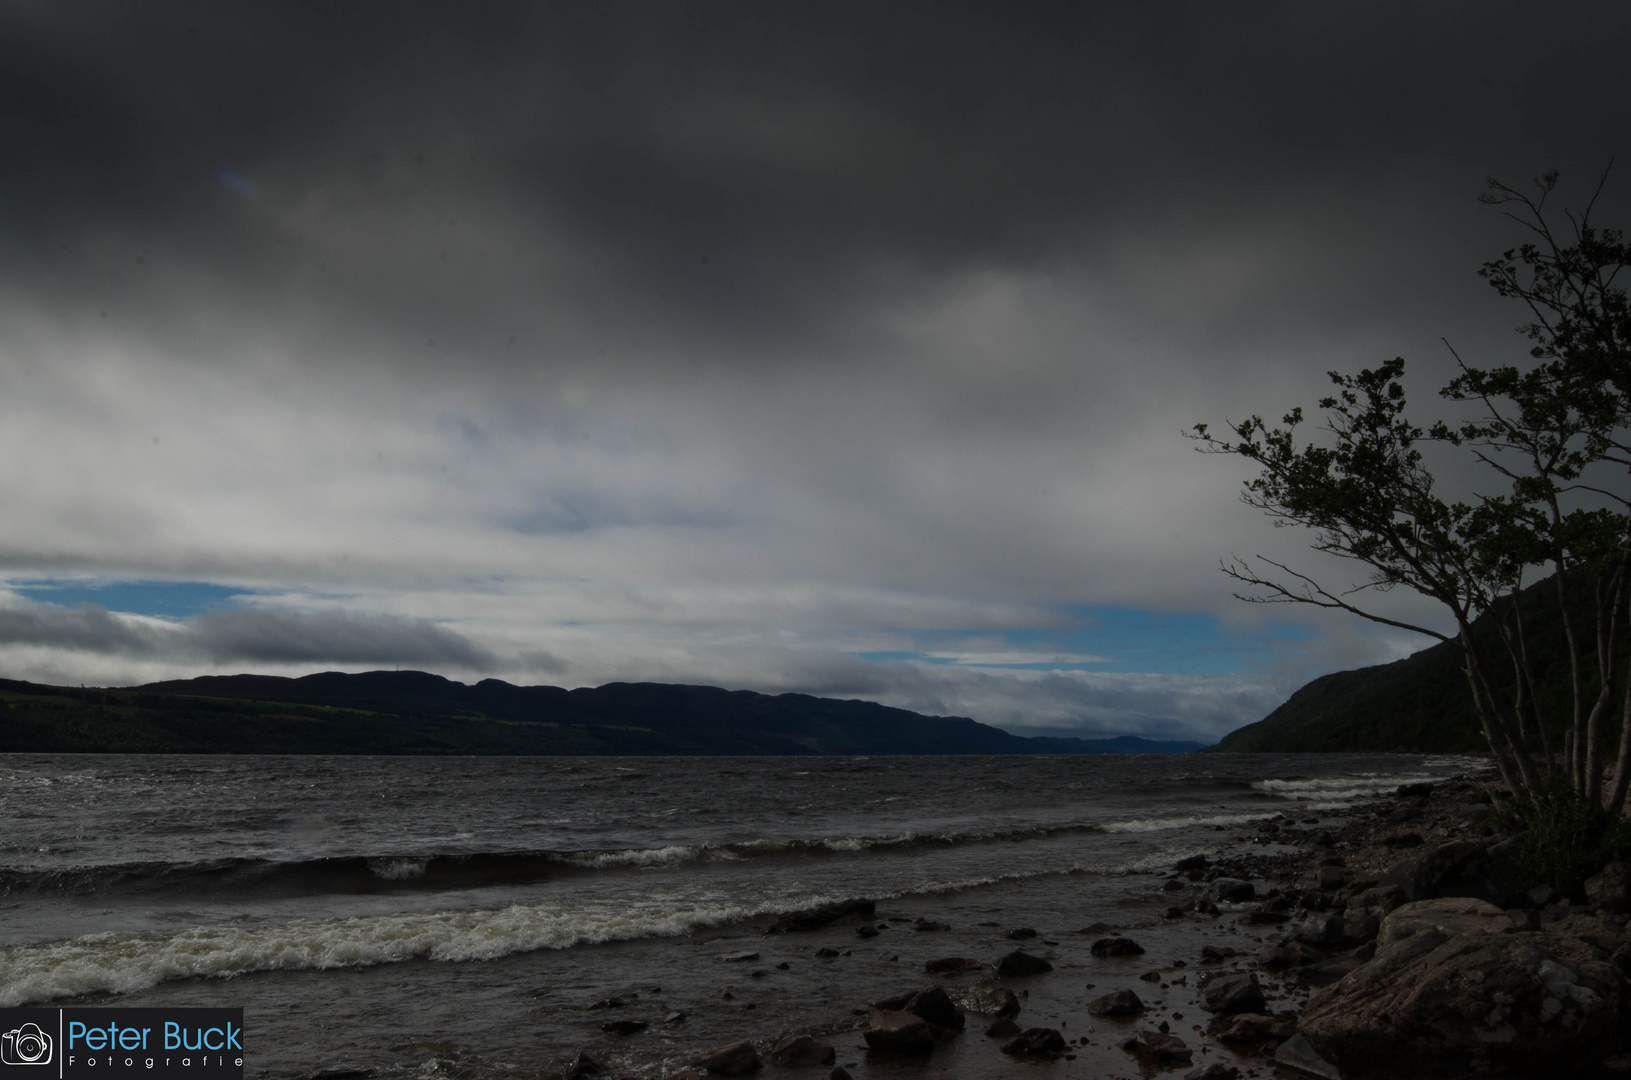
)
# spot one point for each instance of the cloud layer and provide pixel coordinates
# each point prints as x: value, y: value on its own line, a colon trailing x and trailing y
x: 724, y: 342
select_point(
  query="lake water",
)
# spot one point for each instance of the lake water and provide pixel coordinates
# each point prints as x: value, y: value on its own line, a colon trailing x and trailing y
x: 464, y: 916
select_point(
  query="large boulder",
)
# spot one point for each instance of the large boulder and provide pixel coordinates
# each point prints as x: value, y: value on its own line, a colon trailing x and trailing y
x: 1449, y: 916
x: 1435, y: 1003
x: 1460, y: 868
x: 1611, y: 889
x: 1337, y: 930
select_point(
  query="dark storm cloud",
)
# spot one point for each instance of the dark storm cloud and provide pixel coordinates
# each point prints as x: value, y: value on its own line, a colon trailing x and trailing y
x: 741, y: 176
x: 247, y: 635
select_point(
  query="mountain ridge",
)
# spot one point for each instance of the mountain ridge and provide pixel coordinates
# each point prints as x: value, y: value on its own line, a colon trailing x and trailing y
x: 414, y: 712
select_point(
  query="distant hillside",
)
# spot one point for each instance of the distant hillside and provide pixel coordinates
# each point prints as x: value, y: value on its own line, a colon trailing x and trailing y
x: 1419, y: 704
x: 411, y: 712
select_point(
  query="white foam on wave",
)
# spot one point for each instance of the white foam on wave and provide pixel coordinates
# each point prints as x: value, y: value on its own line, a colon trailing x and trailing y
x: 398, y: 869
x: 126, y: 962
x: 1179, y: 821
x: 1354, y: 786
x: 663, y: 856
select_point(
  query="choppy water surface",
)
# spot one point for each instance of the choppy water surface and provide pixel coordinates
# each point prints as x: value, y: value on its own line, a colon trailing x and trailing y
x: 427, y: 914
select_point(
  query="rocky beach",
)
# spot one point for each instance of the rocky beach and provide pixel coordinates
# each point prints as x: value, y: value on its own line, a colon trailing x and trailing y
x: 1392, y: 939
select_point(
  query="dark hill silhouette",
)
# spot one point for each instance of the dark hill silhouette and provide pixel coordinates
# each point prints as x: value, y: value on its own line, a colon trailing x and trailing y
x: 411, y: 712
x: 1420, y: 704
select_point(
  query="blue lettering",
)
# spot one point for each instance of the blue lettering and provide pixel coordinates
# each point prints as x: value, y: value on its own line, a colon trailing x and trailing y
x: 76, y: 1030
x: 172, y: 1035
x: 232, y: 1037
x: 96, y: 1039
x: 197, y: 1044
x: 217, y: 1044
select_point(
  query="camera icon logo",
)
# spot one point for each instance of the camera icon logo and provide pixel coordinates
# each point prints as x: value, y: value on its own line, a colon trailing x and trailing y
x: 25, y: 1045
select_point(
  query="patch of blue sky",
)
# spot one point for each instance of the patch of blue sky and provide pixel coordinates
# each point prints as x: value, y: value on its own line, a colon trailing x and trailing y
x: 162, y: 599
x: 1112, y: 639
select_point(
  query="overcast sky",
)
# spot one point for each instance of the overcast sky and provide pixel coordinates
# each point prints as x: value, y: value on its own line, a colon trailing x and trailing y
x: 839, y: 348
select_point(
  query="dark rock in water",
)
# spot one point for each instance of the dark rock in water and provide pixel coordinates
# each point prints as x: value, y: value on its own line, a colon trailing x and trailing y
x: 739, y: 958
x: 1097, y: 928
x: 624, y: 1027
x: 817, y: 917
x: 1021, y: 933
x: 737, y: 1059
x: 929, y: 926
x: 1116, y: 1003
x: 584, y: 1065
x: 341, y: 1072
x: 898, y: 1032
x: 1403, y: 840
x: 1151, y: 976
x: 951, y: 965
x: 1117, y: 946
x: 1173, y: 885
x: 1611, y: 889
x: 1263, y: 916
x: 1192, y: 862
x: 1254, y: 1029
x: 1206, y: 907
x: 759, y: 973
x: 1325, y: 840
x: 1215, y: 1071
x: 784, y: 966
x: 1232, y: 890
x: 839, y: 1073
x: 1289, y: 954
x: 1036, y: 1042
x: 826, y: 954
x: 1298, y: 1055
x: 992, y: 1000
x: 867, y: 931
x: 1161, y: 1047
x: 610, y: 1003
x: 1460, y: 868
x: 1228, y: 994
x: 1002, y: 1029
x: 798, y: 1050
x: 1019, y: 964
x: 933, y: 1005
x: 1414, y: 791
x: 1443, y: 1000
x: 1214, y: 953
x: 1173, y: 913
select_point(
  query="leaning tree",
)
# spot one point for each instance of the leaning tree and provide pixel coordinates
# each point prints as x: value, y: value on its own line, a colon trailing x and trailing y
x: 1553, y: 435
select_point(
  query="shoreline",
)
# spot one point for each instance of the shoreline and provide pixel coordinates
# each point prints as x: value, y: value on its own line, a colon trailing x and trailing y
x: 1311, y: 869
